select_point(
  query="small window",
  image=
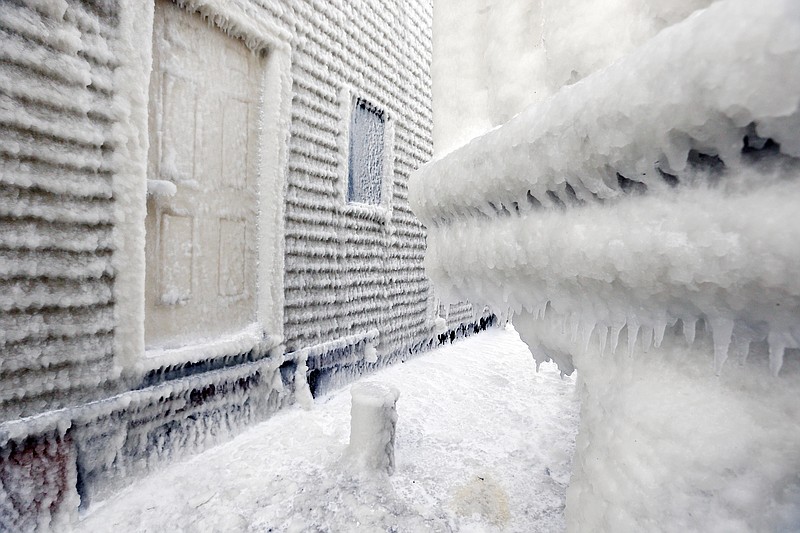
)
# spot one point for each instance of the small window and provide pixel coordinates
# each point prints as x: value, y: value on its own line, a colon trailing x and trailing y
x: 367, y: 129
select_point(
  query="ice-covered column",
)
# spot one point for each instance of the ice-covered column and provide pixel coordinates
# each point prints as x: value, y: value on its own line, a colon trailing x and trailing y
x: 642, y: 225
x: 373, y: 418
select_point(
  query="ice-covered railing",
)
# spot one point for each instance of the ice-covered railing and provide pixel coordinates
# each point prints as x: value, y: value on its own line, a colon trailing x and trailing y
x: 664, y: 187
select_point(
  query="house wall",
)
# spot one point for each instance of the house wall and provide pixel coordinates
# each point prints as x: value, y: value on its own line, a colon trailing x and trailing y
x: 342, y: 288
x: 349, y: 270
x: 57, y: 208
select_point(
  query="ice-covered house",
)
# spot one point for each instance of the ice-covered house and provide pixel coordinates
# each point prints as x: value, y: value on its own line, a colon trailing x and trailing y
x: 635, y: 204
x: 203, y: 216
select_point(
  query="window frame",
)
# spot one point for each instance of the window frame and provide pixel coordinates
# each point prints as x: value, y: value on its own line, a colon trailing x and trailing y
x: 348, y: 99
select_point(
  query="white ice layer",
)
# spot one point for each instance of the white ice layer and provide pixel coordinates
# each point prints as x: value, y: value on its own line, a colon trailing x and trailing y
x: 664, y: 445
x: 373, y: 422
x: 641, y: 223
x: 661, y: 188
x: 493, y: 58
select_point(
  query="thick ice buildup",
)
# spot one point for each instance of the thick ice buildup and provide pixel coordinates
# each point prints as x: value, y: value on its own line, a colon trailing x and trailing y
x: 373, y: 418
x: 641, y: 223
x: 493, y: 58
x: 685, y: 99
x: 664, y: 445
x: 662, y: 187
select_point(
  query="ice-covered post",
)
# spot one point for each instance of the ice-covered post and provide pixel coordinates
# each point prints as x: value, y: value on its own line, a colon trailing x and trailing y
x: 373, y: 418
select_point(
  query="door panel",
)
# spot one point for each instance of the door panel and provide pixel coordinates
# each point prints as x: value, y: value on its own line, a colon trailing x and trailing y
x: 232, y: 257
x: 235, y: 143
x: 200, y: 252
x: 175, y: 259
x: 178, y: 126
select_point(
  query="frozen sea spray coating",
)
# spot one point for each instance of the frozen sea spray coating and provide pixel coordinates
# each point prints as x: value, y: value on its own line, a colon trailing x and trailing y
x: 372, y: 426
x: 63, y: 169
x: 642, y: 223
x: 658, y: 189
x: 697, y: 85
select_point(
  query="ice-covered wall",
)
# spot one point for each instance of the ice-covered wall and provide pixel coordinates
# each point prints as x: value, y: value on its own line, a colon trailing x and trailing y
x: 54, y: 462
x: 493, y: 58
x: 57, y: 210
x: 641, y: 225
x: 347, y: 280
x: 67, y: 264
x: 351, y: 269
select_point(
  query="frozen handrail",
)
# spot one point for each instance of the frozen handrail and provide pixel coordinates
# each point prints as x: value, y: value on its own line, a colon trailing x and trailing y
x: 704, y: 120
x: 685, y: 99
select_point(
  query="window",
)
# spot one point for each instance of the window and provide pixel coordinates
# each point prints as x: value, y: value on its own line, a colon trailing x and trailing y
x: 367, y: 136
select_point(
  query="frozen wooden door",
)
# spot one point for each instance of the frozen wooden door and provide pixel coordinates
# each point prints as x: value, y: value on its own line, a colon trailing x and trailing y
x: 201, y: 241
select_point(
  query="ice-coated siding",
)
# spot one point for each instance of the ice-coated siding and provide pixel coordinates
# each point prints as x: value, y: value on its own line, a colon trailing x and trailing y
x: 341, y: 287
x: 56, y: 203
x: 349, y: 270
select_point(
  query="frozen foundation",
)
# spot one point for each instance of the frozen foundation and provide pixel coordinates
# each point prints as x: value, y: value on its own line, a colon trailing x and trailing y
x: 372, y: 427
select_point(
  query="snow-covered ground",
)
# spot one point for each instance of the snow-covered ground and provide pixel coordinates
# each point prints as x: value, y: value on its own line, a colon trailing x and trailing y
x: 484, y: 443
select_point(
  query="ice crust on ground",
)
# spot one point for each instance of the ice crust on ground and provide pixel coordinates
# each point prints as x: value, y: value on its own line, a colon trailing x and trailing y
x: 547, y: 212
x: 500, y: 437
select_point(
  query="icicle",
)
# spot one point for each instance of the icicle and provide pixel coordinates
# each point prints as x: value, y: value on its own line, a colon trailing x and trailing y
x: 588, y: 329
x: 539, y: 355
x: 721, y: 330
x: 564, y: 324
x: 743, y: 335
x: 658, y: 332
x: 689, y: 329
x: 740, y: 348
x: 633, y: 334
x: 576, y: 321
x: 616, y: 329
x: 647, y: 338
x: 602, y: 334
x: 777, y: 345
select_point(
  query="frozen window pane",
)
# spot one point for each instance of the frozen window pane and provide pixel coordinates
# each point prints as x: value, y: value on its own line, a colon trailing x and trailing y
x: 366, y: 154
